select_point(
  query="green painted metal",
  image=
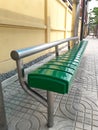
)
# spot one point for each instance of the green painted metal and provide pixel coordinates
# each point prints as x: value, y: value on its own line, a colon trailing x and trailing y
x: 69, y: 65
x: 49, y: 79
x: 60, y: 68
x: 57, y: 74
x: 67, y: 61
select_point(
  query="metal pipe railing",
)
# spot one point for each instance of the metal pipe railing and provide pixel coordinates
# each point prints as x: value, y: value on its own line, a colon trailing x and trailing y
x: 18, y: 54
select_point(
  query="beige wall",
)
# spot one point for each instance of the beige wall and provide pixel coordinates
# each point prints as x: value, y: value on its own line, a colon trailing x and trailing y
x: 26, y: 23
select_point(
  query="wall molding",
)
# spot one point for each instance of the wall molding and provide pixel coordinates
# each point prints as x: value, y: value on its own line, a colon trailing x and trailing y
x: 16, y: 20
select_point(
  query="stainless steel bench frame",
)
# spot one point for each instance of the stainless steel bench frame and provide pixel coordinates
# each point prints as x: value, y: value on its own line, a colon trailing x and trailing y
x: 18, y: 55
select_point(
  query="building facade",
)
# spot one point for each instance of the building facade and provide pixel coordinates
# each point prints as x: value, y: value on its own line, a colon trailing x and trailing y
x: 26, y: 23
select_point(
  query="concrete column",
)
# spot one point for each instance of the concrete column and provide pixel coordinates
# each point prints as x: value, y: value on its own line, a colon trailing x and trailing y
x: 77, y: 18
x: 73, y: 17
x: 74, y: 22
x: 82, y: 24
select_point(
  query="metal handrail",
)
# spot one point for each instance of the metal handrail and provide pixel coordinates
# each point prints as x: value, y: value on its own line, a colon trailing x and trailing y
x: 18, y: 54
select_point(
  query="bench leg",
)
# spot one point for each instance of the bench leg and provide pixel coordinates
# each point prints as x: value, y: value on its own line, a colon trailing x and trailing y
x: 50, y: 108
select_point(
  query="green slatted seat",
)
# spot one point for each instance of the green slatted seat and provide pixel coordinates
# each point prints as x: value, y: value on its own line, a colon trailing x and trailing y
x: 63, y: 64
x: 58, y: 67
x: 57, y: 74
x: 49, y: 79
x: 77, y: 58
x: 67, y: 61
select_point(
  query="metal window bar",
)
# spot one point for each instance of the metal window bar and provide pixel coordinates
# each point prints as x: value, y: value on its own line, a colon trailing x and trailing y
x: 18, y: 55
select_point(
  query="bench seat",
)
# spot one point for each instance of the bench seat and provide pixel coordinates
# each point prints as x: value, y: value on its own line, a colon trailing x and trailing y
x: 50, y: 79
x: 69, y: 65
x: 57, y: 74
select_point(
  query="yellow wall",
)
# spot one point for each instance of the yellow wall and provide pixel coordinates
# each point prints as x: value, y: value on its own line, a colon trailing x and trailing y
x: 26, y: 23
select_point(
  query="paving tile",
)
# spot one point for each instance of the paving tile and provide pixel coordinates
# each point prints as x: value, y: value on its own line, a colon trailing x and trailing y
x: 79, y: 125
x: 94, y: 128
x: 87, y: 127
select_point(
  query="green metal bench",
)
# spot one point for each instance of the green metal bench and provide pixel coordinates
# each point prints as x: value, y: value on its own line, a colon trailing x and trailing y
x: 59, y: 76
x: 54, y: 76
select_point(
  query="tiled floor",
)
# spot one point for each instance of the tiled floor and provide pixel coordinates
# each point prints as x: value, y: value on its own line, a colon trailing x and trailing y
x: 77, y: 110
